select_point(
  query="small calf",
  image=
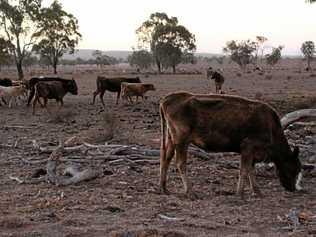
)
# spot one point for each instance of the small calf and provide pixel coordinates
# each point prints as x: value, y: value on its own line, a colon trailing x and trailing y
x: 53, y: 90
x: 12, y: 92
x: 135, y: 89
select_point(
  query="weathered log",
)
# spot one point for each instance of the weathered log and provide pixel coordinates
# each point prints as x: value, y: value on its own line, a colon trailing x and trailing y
x: 77, y: 176
x: 297, y: 115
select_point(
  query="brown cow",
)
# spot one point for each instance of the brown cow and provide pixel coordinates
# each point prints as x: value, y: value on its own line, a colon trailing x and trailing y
x: 219, y: 79
x: 112, y: 84
x: 53, y: 90
x: 222, y: 123
x: 135, y: 89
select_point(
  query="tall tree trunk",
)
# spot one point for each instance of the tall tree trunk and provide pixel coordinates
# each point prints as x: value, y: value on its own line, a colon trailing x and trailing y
x: 55, y: 68
x: 308, y: 64
x: 174, y: 69
x: 20, y: 69
x: 158, y: 65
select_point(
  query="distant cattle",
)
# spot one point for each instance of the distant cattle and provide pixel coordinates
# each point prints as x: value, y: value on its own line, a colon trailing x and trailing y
x: 34, y: 80
x: 222, y: 123
x: 135, y: 89
x: 218, y: 78
x: 53, y: 90
x: 112, y: 84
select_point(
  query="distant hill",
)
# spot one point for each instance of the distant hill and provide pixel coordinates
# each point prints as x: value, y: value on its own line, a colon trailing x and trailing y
x: 87, y: 54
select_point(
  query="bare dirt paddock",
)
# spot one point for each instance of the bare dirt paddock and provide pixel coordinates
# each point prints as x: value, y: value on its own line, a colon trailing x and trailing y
x: 124, y: 201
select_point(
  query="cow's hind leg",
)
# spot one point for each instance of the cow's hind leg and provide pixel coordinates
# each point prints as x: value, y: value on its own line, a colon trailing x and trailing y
x: 181, y: 161
x: 94, y: 95
x: 118, y: 97
x: 250, y: 149
x: 252, y: 181
x: 101, y: 97
x: 165, y: 159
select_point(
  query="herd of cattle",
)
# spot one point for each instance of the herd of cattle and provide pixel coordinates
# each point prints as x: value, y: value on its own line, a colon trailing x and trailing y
x: 213, y: 122
x: 56, y: 88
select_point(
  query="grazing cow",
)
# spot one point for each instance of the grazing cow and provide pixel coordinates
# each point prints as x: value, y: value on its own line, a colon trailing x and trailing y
x: 12, y: 92
x: 217, y: 77
x: 34, y: 80
x: 112, y: 84
x: 222, y: 123
x: 135, y: 89
x: 53, y: 90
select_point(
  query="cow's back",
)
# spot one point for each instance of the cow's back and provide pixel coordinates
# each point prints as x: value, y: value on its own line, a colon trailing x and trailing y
x: 219, y: 122
x: 114, y: 84
x: 50, y: 89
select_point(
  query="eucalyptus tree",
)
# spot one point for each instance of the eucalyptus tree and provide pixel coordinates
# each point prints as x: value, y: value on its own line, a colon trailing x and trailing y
x: 167, y: 40
x: 19, y: 21
x: 58, y: 33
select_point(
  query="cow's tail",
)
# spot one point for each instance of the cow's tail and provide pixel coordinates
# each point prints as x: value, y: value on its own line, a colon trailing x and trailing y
x: 99, y: 86
x: 163, y: 133
x: 35, y: 98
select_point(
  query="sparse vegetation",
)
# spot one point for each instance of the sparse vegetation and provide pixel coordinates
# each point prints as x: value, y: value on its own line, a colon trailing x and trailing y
x: 141, y: 59
x: 103, y: 59
x: 274, y: 57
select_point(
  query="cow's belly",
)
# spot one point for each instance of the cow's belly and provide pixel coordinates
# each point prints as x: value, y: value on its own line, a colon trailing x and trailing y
x: 217, y: 143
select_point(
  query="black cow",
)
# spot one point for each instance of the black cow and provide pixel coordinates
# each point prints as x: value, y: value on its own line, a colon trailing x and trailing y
x: 34, y: 80
x: 112, y: 84
x: 53, y: 90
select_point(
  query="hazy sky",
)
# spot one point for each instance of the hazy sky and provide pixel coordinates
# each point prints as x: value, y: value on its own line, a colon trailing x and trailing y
x: 111, y: 25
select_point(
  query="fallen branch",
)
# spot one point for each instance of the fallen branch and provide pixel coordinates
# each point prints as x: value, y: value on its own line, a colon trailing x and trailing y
x: 77, y: 176
x: 296, y: 116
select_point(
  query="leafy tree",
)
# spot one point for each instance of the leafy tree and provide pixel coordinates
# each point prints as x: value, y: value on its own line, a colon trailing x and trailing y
x: 241, y: 52
x: 274, y: 57
x: 18, y: 19
x: 140, y: 58
x: 58, y: 33
x: 310, y: 1
x: 308, y: 49
x: 166, y: 39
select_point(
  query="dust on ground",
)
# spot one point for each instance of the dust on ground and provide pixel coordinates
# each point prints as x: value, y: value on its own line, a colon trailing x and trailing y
x: 126, y: 201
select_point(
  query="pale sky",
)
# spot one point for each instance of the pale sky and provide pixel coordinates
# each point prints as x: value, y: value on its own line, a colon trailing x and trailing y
x: 111, y: 25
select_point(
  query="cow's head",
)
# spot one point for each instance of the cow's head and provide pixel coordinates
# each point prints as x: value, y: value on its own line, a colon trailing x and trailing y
x: 72, y: 87
x: 290, y: 171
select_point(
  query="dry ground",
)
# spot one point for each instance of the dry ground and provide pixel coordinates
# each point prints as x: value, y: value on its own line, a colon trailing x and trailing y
x: 125, y: 199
